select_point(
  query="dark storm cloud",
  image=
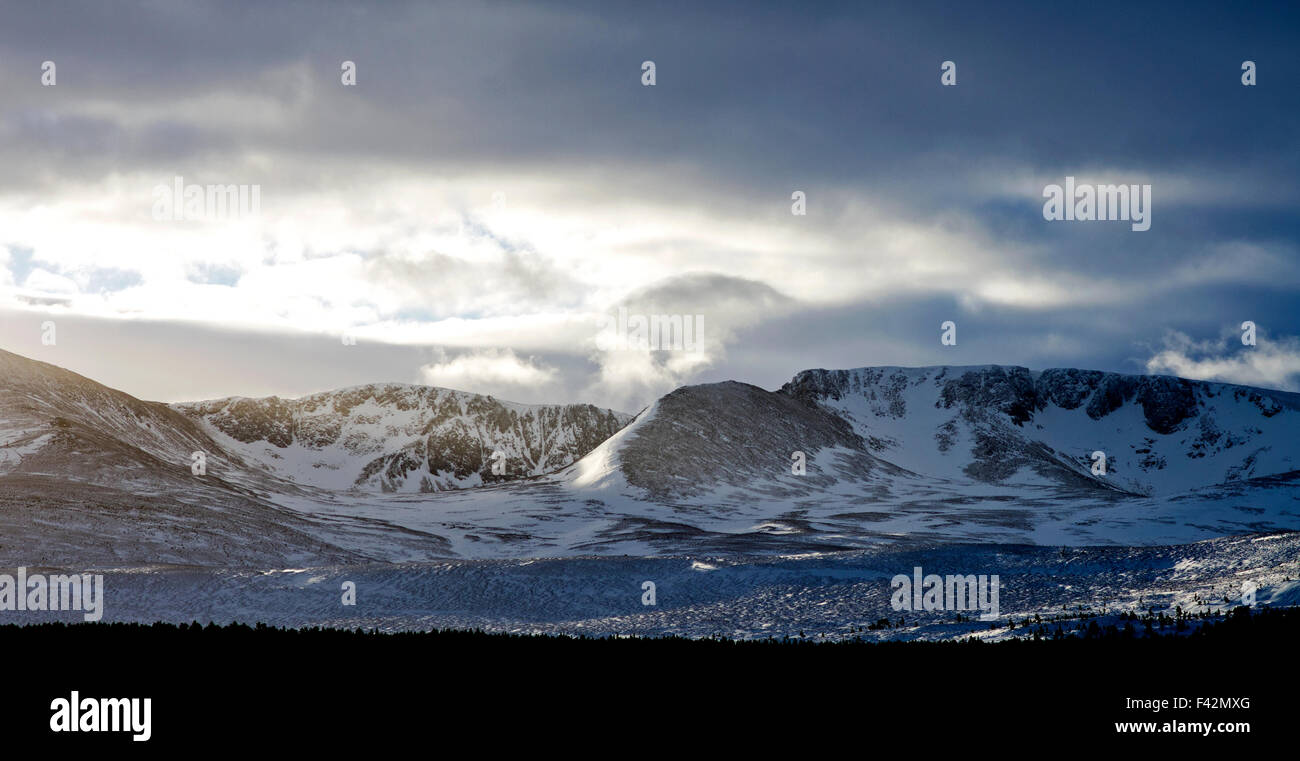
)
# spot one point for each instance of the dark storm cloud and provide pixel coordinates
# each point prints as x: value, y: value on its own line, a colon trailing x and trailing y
x: 754, y: 100
x: 837, y: 92
x: 760, y: 98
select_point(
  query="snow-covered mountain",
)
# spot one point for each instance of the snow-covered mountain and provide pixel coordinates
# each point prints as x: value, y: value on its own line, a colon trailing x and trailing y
x: 401, y: 438
x: 394, y: 472
x: 1160, y: 435
x: 987, y: 454
x: 90, y: 474
x: 977, y: 425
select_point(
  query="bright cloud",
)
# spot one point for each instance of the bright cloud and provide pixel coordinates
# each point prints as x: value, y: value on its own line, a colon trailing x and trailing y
x: 1270, y: 363
x: 495, y: 371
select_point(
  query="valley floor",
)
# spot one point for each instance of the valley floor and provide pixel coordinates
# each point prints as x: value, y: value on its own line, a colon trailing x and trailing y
x: 815, y: 596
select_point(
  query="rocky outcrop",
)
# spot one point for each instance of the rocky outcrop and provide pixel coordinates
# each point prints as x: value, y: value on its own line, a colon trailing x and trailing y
x: 397, y: 437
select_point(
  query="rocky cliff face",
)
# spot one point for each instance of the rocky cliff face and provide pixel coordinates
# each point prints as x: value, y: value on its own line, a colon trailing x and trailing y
x: 994, y: 423
x: 1166, y: 402
x: 396, y: 437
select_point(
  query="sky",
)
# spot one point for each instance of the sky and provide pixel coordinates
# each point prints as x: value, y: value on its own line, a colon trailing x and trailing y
x: 500, y: 181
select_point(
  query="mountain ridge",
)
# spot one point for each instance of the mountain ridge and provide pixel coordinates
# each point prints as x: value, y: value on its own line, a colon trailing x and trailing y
x: 1224, y: 415
x: 404, y: 437
x: 831, y: 460
x: 1012, y: 423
